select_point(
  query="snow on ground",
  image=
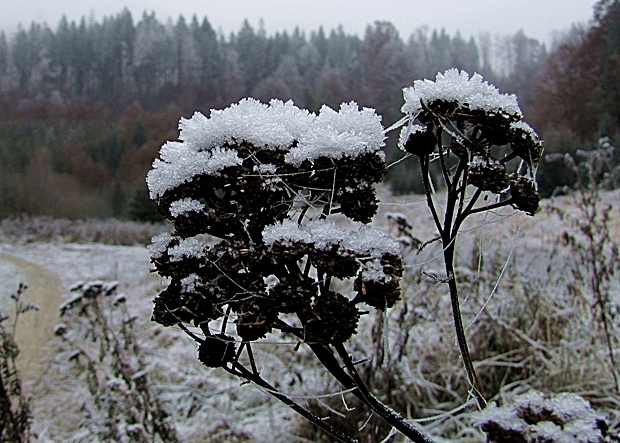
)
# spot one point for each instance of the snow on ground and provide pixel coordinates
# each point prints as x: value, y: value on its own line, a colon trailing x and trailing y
x: 74, y: 262
x: 221, y: 401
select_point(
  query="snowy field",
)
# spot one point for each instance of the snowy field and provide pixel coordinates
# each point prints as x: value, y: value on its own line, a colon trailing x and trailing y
x: 519, y: 254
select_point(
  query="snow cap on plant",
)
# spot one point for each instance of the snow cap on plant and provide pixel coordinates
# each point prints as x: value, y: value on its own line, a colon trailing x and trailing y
x: 249, y: 191
x: 476, y: 117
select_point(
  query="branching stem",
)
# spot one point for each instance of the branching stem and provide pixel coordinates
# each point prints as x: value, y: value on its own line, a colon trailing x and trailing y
x: 240, y: 371
x: 448, y: 232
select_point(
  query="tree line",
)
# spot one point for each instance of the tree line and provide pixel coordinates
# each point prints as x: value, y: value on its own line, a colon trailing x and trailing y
x: 92, y: 93
x: 187, y: 63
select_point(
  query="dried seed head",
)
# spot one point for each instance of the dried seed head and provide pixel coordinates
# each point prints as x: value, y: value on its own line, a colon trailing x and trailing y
x: 524, y: 194
x: 333, y: 319
x: 488, y: 174
x: 217, y: 350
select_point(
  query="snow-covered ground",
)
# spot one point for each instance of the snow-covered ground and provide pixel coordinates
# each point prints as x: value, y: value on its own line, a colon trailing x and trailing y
x: 207, y: 403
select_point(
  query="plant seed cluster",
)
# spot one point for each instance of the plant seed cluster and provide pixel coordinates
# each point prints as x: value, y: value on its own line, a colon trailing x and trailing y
x: 243, y: 280
x: 473, y: 132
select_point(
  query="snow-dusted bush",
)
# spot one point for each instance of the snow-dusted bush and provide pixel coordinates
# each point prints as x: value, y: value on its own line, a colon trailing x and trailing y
x: 25, y: 228
x: 15, y: 415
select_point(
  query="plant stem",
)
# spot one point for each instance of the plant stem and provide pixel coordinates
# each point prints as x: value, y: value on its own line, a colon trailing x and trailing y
x: 353, y: 382
x: 240, y: 371
x: 448, y: 232
x: 458, y: 325
x: 388, y: 415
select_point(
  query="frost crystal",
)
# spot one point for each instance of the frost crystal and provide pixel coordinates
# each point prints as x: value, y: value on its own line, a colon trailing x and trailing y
x: 274, y: 125
x: 184, y: 206
x: 265, y: 168
x: 288, y: 232
x: 371, y: 242
x: 349, y: 132
x: 188, y: 247
x: 455, y: 85
x: 189, y: 283
x: 503, y: 417
x: 178, y: 166
x: 208, y: 144
x: 323, y: 234
x: 373, y: 271
x: 159, y: 244
x: 564, y: 418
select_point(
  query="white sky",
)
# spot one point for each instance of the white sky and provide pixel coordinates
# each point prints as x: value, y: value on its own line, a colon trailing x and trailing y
x: 538, y: 18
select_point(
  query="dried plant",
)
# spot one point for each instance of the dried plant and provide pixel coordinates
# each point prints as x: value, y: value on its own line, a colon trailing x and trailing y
x: 266, y: 180
x: 99, y: 339
x: 15, y: 417
x: 598, y: 252
x: 534, y: 417
x: 460, y: 122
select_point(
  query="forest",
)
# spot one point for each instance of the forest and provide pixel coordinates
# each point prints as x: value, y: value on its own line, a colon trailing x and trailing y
x: 84, y: 108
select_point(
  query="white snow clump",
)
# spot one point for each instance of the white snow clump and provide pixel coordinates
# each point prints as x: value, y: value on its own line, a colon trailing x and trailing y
x: 184, y: 206
x: 455, y: 85
x: 207, y: 145
x: 159, y: 244
x: 323, y: 234
x: 563, y: 418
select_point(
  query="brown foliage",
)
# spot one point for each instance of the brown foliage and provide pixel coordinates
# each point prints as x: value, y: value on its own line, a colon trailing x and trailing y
x: 568, y: 93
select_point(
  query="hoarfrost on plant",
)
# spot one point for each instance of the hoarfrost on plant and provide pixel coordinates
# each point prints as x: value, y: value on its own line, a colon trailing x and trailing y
x: 455, y: 85
x: 159, y: 244
x: 207, y: 145
x: 188, y: 247
x: 184, y: 206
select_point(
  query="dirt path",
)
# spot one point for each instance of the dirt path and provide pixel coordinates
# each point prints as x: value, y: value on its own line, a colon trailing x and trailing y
x: 36, y: 328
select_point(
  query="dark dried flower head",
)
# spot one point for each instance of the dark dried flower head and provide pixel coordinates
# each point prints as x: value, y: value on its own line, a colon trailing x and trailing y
x: 217, y: 350
x: 488, y: 174
x: 525, y: 142
x: 293, y: 294
x: 333, y: 319
x: 377, y: 285
x: 478, y: 120
x: 524, y: 194
x: 420, y: 141
x: 255, y: 324
x: 249, y: 198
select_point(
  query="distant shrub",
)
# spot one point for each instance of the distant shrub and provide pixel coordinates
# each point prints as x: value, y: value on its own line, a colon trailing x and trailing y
x: 27, y: 228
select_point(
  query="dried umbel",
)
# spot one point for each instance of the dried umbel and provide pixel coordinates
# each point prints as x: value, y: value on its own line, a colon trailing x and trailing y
x: 264, y: 180
x: 475, y: 118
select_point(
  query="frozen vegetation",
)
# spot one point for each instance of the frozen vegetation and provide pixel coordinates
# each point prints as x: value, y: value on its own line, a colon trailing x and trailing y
x: 285, y: 249
x: 531, y: 334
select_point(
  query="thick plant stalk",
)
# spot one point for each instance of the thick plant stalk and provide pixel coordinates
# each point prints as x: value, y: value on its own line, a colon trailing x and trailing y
x: 353, y: 381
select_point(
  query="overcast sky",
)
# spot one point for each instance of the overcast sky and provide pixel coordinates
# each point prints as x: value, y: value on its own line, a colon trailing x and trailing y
x: 538, y: 18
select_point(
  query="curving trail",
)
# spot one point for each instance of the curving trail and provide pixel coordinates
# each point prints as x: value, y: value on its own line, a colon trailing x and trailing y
x: 36, y: 328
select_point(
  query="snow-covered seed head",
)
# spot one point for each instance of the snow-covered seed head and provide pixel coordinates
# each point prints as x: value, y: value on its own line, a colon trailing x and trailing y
x: 524, y: 194
x: 536, y: 417
x: 249, y: 191
x: 475, y: 117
